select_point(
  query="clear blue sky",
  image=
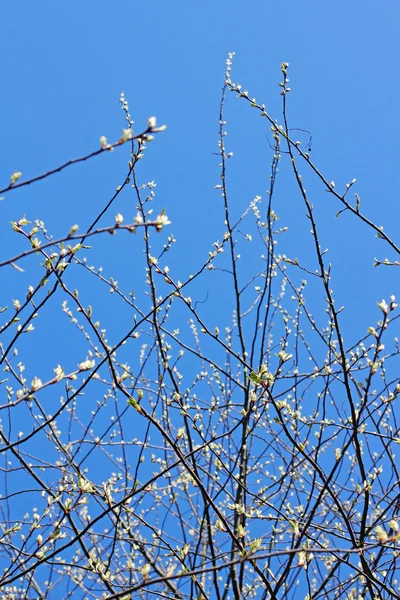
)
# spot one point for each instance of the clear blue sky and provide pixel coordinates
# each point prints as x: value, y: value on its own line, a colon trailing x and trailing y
x: 64, y: 65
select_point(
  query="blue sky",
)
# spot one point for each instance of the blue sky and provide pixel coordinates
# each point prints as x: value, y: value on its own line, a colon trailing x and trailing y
x: 64, y: 67
x: 67, y: 64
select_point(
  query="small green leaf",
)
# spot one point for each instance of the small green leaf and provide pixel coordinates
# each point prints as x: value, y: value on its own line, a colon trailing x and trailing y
x: 254, y: 377
x: 132, y: 402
